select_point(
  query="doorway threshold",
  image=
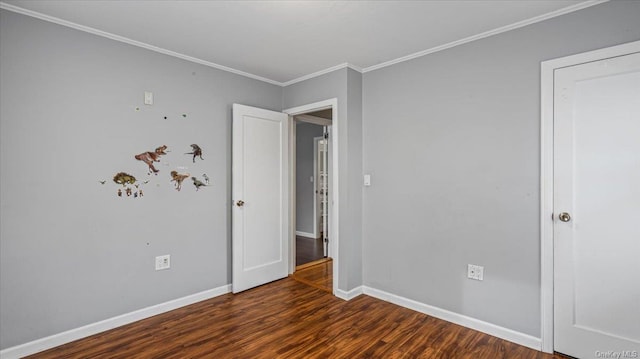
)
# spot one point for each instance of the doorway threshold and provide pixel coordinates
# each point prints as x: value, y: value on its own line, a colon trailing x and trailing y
x: 312, y: 263
x: 317, y: 274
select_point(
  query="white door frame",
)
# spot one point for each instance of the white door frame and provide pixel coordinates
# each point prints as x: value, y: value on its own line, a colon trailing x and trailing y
x: 334, y: 198
x: 546, y: 175
x: 316, y: 232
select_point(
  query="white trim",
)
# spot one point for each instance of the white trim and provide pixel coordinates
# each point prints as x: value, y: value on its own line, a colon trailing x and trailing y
x: 316, y: 230
x: 348, y: 295
x: 293, y: 208
x: 107, y: 324
x: 129, y: 41
x: 334, y: 217
x: 322, y: 72
x: 476, y: 324
x: 485, y: 34
x: 322, y: 105
x: 449, y: 45
x: 305, y: 234
x: 314, y: 120
x: 546, y: 175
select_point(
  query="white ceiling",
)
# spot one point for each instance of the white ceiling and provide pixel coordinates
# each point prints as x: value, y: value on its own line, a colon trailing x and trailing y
x: 281, y: 41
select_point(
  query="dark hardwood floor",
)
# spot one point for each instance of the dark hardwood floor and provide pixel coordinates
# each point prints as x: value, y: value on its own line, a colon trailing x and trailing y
x: 318, y: 274
x: 287, y: 319
x: 308, y: 250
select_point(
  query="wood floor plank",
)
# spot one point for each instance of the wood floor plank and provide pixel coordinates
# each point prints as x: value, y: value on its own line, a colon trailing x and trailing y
x: 319, y: 275
x: 287, y: 319
x: 308, y: 250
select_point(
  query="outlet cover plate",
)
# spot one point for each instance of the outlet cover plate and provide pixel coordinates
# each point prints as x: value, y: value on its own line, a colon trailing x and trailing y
x: 163, y: 262
x: 475, y: 272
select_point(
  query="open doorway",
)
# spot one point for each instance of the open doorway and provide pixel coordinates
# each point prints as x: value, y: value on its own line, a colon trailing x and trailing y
x: 264, y: 149
x: 313, y: 262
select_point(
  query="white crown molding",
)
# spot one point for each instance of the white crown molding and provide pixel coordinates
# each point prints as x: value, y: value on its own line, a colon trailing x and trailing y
x: 143, y: 45
x: 129, y: 41
x: 322, y: 72
x: 456, y: 318
x: 485, y: 34
x: 68, y: 336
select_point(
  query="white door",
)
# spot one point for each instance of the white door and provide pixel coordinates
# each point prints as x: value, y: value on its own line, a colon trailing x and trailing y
x: 317, y: 186
x: 322, y: 189
x: 597, y: 209
x: 260, y: 197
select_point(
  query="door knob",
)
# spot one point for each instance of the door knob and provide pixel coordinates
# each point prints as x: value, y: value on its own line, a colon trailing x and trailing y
x: 564, y: 217
x: 240, y: 203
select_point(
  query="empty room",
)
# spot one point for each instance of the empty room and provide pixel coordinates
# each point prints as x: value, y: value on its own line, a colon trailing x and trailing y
x: 319, y: 179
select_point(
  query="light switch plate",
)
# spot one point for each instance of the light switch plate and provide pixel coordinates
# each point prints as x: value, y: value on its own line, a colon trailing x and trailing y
x: 148, y: 98
x: 367, y: 180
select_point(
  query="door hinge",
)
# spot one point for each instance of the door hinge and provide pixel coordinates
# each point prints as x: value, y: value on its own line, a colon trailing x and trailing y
x: 326, y: 136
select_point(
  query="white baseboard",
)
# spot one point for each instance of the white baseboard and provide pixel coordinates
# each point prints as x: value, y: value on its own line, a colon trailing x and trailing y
x: 107, y: 324
x: 479, y: 325
x: 305, y: 234
x: 343, y: 294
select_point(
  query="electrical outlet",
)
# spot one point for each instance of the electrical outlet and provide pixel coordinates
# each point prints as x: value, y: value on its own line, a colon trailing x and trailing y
x: 475, y: 272
x: 163, y: 262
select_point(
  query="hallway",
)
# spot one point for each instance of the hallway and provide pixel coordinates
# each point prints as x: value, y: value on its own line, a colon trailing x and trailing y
x: 308, y: 250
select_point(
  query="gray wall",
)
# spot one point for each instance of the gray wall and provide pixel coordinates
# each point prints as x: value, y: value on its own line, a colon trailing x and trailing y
x: 452, y: 143
x: 336, y: 85
x: 72, y: 252
x: 305, y: 189
x: 451, y: 140
x: 353, y: 231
